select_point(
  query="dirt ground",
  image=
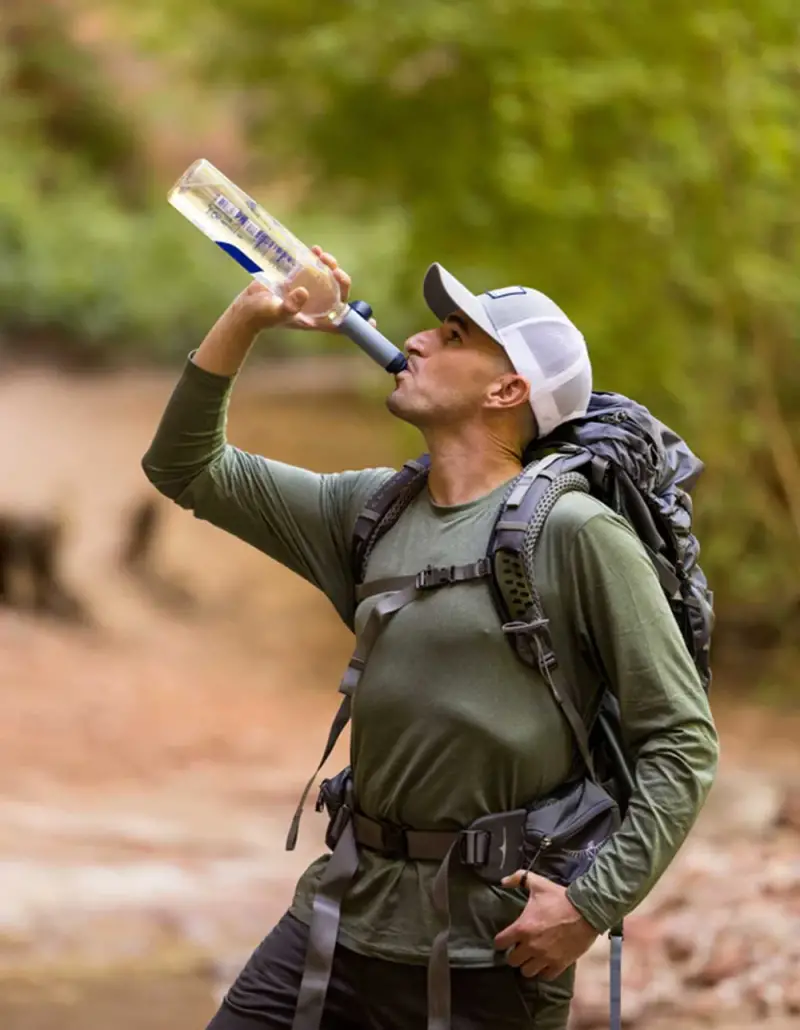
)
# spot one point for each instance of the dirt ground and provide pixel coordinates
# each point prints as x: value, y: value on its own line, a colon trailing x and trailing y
x: 150, y: 761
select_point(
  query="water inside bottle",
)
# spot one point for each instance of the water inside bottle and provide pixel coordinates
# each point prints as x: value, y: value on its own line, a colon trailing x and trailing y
x: 265, y: 248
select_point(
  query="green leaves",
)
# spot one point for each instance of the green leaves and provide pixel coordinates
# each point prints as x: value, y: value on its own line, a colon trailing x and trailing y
x: 641, y: 164
x: 87, y: 257
x: 638, y: 161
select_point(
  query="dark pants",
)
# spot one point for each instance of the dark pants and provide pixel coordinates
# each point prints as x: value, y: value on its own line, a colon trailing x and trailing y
x: 373, y: 994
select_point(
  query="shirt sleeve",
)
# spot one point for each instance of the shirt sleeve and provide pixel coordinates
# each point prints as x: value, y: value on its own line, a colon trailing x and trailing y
x: 625, y: 622
x: 302, y: 519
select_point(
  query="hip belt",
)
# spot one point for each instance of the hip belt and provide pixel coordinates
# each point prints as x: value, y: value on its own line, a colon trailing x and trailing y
x: 558, y: 838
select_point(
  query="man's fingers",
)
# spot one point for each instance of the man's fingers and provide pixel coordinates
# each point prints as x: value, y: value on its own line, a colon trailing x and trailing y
x: 532, y: 882
x: 343, y: 279
x: 295, y: 301
x: 521, y: 955
x: 514, y: 880
x: 535, y: 967
x: 508, y: 938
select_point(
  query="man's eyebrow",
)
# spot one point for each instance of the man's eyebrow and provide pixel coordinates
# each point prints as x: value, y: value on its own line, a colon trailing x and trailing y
x: 460, y: 322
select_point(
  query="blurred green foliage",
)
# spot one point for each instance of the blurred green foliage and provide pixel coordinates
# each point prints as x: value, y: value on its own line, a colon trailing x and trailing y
x: 88, y: 258
x: 638, y: 161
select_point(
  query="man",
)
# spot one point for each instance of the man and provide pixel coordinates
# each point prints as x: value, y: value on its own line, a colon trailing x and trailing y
x: 448, y: 725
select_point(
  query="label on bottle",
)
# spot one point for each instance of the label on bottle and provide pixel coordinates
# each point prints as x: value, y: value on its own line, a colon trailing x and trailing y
x: 260, y: 240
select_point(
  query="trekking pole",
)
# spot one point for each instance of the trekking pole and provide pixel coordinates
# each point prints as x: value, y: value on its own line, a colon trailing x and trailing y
x: 616, y: 933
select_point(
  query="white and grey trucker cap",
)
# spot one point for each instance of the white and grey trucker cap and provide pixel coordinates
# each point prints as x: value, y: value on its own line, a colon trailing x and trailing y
x: 542, y: 344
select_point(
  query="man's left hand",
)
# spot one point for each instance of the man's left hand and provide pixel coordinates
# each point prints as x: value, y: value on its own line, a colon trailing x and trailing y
x: 550, y: 934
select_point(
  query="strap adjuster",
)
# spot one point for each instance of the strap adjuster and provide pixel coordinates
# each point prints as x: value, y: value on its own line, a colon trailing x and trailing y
x: 431, y: 577
x: 337, y: 826
x: 394, y: 843
x: 483, y: 567
x: 443, y: 575
x: 473, y: 847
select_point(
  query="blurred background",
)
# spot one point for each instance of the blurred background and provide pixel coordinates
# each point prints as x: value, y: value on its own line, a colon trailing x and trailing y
x: 165, y: 689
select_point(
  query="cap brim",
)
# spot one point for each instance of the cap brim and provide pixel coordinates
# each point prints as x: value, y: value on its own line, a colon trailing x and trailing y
x: 444, y: 294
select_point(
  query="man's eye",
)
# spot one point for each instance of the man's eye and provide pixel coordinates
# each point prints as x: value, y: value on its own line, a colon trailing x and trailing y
x: 453, y: 336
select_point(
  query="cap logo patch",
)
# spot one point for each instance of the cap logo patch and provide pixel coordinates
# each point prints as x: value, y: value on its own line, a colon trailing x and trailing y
x: 509, y: 291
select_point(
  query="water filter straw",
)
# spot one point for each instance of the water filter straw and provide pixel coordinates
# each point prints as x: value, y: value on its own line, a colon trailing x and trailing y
x: 355, y: 326
x: 274, y: 257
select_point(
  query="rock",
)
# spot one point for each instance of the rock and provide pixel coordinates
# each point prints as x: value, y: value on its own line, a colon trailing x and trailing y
x: 788, y: 816
x: 680, y: 942
x: 589, y: 1009
x: 792, y: 996
x: 704, y: 1006
x: 768, y: 997
x: 781, y: 879
x: 730, y: 954
x: 741, y: 802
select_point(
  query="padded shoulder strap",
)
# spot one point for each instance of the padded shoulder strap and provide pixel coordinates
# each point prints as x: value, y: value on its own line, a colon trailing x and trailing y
x: 384, y: 508
x: 524, y: 504
x: 512, y: 548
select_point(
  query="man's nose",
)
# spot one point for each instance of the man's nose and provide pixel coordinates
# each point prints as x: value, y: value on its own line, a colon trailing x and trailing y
x: 420, y: 343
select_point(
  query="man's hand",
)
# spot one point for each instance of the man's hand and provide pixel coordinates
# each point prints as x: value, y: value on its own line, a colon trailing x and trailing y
x: 227, y: 344
x: 550, y: 935
x: 260, y: 309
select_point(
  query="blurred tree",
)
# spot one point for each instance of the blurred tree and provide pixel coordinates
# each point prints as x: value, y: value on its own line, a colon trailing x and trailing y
x: 66, y: 100
x: 639, y: 162
x: 90, y: 267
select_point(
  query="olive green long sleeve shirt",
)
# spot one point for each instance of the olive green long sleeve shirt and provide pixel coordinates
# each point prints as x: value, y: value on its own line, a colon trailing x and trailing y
x: 448, y: 725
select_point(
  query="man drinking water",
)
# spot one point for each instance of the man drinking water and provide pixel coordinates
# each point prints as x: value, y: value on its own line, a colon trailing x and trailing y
x: 448, y: 724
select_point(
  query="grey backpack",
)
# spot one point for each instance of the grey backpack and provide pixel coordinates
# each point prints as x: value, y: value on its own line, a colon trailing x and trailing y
x: 643, y: 471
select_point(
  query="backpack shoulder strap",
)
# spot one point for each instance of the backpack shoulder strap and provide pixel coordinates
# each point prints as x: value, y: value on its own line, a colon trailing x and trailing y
x: 515, y: 536
x: 524, y: 511
x: 384, y: 508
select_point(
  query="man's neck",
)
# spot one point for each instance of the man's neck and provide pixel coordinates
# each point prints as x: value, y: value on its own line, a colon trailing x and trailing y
x: 467, y: 466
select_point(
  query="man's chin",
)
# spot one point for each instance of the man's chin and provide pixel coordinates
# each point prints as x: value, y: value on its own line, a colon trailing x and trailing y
x: 398, y: 407
x: 393, y: 404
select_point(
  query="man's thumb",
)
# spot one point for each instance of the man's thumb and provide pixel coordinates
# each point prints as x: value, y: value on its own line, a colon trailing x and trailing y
x: 295, y: 301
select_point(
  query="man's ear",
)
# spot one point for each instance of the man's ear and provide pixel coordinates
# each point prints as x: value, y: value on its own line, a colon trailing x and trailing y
x: 508, y: 391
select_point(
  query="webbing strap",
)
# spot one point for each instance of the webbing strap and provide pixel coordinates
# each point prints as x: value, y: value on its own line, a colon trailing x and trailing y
x: 439, y: 1001
x: 551, y: 673
x: 340, y: 720
x: 536, y: 470
x: 670, y: 583
x: 616, y: 979
x: 384, y: 508
x: 414, y: 845
x: 428, y: 579
x: 383, y: 586
x: 564, y: 701
x: 401, y: 591
x: 382, y: 612
x: 324, y: 930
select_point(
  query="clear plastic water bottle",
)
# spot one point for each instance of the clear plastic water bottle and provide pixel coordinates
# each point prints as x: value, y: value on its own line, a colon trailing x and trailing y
x: 273, y: 255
